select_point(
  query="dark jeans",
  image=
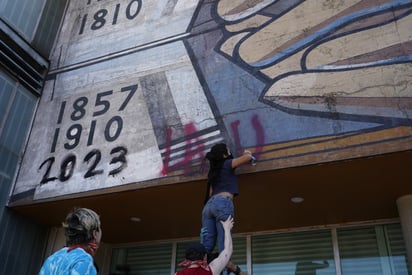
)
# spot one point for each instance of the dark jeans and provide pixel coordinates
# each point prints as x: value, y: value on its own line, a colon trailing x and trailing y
x: 218, y: 208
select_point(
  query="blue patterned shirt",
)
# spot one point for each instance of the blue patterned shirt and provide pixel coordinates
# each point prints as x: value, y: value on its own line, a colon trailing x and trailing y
x: 75, y: 262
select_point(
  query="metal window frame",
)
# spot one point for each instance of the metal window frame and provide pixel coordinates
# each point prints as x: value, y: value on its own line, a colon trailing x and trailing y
x: 249, y: 236
x: 21, y: 60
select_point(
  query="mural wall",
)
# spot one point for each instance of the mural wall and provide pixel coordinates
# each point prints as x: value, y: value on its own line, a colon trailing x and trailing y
x: 138, y: 91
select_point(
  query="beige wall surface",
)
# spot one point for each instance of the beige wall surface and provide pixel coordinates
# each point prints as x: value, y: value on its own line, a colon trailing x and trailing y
x: 138, y: 91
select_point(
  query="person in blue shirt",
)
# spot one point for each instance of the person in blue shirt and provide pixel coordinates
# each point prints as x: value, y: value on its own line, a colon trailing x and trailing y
x: 83, y: 233
x: 222, y: 188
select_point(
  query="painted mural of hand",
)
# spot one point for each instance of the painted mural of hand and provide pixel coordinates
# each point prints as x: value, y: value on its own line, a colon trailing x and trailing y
x: 328, y: 55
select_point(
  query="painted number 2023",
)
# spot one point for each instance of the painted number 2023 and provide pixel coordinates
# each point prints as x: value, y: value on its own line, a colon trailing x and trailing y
x: 92, y: 158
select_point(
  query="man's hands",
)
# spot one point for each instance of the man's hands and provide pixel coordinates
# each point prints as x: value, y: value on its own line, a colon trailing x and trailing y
x: 228, y: 224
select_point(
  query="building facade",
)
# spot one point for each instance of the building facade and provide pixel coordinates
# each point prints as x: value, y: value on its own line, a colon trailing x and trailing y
x: 113, y: 104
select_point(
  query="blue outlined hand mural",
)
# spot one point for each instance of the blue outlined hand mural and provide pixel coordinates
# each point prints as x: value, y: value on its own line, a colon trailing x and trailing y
x: 326, y: 57
x: 329, y: 75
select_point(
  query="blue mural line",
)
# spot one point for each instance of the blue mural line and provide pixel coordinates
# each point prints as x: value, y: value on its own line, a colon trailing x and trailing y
x: 390, y: 61
x: 331, y: 28
x: 328, y: 67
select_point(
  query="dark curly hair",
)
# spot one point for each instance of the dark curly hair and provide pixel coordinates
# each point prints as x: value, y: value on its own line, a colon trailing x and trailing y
x: 216, y: 156
x: 195, y: 251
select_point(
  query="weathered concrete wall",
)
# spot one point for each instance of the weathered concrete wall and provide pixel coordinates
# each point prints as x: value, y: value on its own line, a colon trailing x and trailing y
x: 140, y: 90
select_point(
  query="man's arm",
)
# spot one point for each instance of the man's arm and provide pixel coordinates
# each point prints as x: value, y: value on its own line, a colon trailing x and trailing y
x: 218, y: 264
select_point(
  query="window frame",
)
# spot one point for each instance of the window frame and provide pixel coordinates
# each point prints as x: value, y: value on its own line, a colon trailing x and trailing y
x: 178, y: 245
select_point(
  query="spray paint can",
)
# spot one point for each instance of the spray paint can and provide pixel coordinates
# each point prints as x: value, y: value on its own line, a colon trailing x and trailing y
x: 253, y: 161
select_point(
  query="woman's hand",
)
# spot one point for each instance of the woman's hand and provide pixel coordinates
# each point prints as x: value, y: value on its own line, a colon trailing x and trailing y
x: 247, y: 152
x: 243, y: 159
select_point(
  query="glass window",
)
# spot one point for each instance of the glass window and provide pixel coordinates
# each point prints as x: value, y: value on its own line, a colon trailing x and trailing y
x: 372, y: 250
x: 364, y: 250
x: 145, y: 259
x: 359, y: 252
x: 180, y: 253
x: 6, y: 91
x: 22, y: 14
x: 37, y: 21
x: 239, y: 252
x: 16, y: 109
x: 49, y: 26
x: 300, y: 253
x: 397, y: 251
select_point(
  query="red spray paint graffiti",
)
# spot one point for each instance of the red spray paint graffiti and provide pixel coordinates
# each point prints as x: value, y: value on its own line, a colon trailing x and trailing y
x: 193, y: 149
x: 260, y: 135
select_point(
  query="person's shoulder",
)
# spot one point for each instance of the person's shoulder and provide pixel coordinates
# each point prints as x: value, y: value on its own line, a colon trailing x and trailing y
x: 228, y: 163
x: 59, y: 252
x: 80, y: 254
